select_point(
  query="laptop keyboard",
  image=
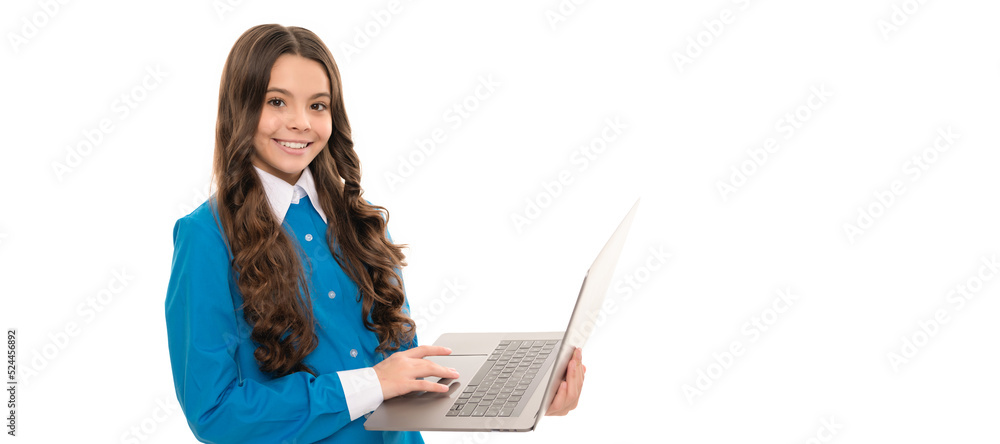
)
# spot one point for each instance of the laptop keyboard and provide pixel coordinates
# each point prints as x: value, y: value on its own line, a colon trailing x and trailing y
x: 504, y: 383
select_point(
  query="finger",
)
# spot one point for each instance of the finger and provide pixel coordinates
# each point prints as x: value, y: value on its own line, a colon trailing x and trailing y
x: 573, y: 376
x: 573, y: 371
x: 574, y: 383
x: 428, y: 368
x: 577, y: 387
x: 570, y: 379
x: 582, y: 369
x: 559, y: 400
x: 427, y: 350
x: 427, y: 386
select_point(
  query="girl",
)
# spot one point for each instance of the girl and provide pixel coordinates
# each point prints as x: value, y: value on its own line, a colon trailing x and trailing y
x: 287, y: 319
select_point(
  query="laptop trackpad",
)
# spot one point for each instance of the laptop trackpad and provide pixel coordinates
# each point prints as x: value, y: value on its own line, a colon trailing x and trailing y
x: 467, y: 367
x: 469, y: 343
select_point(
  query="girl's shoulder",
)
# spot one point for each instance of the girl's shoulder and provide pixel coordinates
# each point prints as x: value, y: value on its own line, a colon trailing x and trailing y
x: 201, y: 225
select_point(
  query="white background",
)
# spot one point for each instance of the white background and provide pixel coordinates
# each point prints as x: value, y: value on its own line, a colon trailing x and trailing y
x: 562, y: 70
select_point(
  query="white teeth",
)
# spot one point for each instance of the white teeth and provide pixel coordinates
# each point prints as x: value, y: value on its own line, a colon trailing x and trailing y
x: 293, y: 145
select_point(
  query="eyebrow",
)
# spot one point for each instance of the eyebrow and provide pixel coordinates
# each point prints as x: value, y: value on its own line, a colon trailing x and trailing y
x: 285, y: 92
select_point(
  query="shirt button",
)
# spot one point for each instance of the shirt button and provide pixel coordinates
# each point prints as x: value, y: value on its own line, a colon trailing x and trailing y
x: 354, y: 353
x: 309, y: 237
x: 331, y: 294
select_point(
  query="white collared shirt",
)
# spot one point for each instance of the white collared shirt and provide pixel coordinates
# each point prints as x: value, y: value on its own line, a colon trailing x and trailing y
x: 281, y: 194
x: 362, y: 389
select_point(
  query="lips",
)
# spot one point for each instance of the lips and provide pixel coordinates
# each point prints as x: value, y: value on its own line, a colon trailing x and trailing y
x: 294, y: 144
x: 293, y: 147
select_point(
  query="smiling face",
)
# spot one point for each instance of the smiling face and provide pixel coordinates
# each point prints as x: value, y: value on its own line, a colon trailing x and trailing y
x: 295, y: 122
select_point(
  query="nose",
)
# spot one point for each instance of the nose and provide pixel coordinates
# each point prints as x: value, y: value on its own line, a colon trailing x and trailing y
x: 298, y: 121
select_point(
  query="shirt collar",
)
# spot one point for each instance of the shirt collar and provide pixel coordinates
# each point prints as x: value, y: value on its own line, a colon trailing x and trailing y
x: 281, y: 194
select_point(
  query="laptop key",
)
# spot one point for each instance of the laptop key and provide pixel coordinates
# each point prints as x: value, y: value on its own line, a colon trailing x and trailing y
x: 480, y: 375
x: 467, y: 410
x: 502, y: 381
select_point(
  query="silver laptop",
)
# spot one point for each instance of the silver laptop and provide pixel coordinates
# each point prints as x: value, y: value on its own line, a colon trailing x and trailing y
x: 508, y: 379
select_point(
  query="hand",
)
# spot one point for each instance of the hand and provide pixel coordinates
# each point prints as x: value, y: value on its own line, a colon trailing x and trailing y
x: 569, y: 389
x: 399, y: 372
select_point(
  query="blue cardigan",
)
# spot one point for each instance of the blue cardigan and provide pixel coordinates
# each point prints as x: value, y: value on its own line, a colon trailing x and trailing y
x: 220, y: 388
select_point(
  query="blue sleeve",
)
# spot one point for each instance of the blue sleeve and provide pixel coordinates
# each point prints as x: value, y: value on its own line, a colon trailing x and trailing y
x: 221, y: 406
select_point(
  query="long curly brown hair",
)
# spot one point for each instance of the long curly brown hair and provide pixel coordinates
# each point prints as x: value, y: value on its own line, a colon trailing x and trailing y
x: 265, y: 262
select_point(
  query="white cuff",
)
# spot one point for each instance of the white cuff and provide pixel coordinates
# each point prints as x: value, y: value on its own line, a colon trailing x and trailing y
x: 362, y: 390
